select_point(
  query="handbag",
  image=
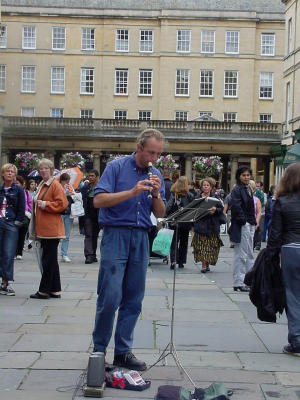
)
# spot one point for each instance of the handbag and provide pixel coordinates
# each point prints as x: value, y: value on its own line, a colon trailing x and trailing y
x: 67, y: 211
x: 162, y: 243
x: 77, y: 209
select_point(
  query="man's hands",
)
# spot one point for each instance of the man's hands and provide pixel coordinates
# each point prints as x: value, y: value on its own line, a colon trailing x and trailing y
x: 146, y: 185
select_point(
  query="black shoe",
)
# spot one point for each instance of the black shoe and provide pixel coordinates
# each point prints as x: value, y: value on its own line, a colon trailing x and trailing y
x: 293, y: 350
x: 207, y: 269
x: 203, y: 270
x: 89, y: 260
x: 241, y: 289
x: 40, y: 296
x: 129, y: 361
x: 180, y: 265
x: 95, y: 259
x: 257, y: 248
x: 172, y: 266
x: 55, y: 296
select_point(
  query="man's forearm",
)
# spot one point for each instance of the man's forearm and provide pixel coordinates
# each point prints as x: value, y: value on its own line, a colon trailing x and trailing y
x: 102, y: 200
x: 159, y: 208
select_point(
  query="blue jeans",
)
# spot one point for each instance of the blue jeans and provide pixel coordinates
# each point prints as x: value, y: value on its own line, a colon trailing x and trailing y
x: 8, y: 243
x: 68, y: 223
x: 290, y: 264
x: 121, y: 285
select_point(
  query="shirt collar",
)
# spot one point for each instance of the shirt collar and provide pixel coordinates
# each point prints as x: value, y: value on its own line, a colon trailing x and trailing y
x: 134, y: 164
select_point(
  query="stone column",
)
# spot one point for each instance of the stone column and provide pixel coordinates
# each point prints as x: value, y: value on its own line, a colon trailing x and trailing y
x: 5, y: 156
x: 96, y: 161
x: 272, y: 177
x: 224, y: 180
x: 188, y: 167
x: 253, y: 164
x: 234, y: 167
x: 266, y: 173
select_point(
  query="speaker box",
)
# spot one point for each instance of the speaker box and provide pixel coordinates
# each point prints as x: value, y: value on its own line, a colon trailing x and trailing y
x: 95, y: 373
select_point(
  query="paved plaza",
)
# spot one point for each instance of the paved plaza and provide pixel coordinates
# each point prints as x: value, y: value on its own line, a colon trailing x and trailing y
x: 45, y: 344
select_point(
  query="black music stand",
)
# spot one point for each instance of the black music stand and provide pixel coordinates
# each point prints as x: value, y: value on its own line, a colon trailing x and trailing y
x: 193, y: 212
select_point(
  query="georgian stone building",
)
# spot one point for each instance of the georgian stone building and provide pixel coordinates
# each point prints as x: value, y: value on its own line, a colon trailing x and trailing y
x: 89, y: 75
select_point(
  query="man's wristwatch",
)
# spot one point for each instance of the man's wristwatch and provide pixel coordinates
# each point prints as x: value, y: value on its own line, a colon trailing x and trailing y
x: 156, y: 197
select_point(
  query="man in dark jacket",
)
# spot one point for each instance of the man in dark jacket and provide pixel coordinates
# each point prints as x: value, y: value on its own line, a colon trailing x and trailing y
x: 91, y: 226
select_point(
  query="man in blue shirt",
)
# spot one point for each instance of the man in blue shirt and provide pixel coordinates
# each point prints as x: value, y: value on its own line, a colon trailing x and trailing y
x: 122, y: 194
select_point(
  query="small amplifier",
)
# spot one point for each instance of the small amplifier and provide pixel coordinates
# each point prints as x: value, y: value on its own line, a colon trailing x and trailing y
x: 95, y: 373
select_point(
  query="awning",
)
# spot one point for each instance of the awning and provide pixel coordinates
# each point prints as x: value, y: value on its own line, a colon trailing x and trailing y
x: 292, y: 155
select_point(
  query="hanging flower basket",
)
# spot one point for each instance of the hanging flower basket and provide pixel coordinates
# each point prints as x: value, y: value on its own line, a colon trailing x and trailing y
x: 112, y: 157
x: 26, y: 161
x: 166, y: 163
x: 70, y: 160
x: 208, y: 166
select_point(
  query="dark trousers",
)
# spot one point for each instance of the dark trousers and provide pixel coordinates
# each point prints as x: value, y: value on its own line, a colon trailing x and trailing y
x: 91, y: 232
x: 182, y: 246
x: 290, y: 267
x: 258, y: 233
x: 21, y: 240
x: 50, y: 281
x: 8, y: 242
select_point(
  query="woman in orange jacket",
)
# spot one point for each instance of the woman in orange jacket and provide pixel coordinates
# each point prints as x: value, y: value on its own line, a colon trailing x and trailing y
x: 47, y: 226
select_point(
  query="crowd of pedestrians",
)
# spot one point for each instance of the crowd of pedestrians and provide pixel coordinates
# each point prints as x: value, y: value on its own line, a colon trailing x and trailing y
x: 119, y: 204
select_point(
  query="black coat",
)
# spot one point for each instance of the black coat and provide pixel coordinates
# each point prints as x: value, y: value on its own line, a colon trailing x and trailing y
x: 240, y: 201
x: 285, y: 227
x: 173, y: 206
x: 211, y: 222
x: 267, y: 291
x: 89, y: 209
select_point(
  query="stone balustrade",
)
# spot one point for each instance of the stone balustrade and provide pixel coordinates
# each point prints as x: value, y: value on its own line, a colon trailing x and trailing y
x: 130, y: 128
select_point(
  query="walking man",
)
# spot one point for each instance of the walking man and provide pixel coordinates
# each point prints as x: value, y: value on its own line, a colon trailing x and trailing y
x: 122, y: 194
x: 91, y: 225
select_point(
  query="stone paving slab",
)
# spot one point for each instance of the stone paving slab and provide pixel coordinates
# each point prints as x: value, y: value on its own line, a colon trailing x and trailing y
x: 7, y: 340
x: 34, y: 395
x: 202, y: 359
x: 272, y: 335
x: 289, y: 378
x: 185, y: 315
x: 11, y: 378
x: 19, y: 360
x: 57, y: 329
x: 201, y: 336
x: 269, y: 362
x: 51, y: 380
x: 11, y: 313
x: 71, y: 319
x: 61, y: 361
x: 31, y: 342
x: 279, y: 392
x: 203, y: 374
x: 68, y: 311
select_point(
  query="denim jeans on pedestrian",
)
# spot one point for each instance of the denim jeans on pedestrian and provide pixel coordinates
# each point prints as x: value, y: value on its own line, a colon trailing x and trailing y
x: 121, y: 285
x: 290, y: 266
x: 68, y: 223
x: 8, y: 244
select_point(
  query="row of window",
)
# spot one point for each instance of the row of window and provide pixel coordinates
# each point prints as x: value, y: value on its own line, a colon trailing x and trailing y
x: 143, y: 115
x: 146, y: 40
x: 182, y: 82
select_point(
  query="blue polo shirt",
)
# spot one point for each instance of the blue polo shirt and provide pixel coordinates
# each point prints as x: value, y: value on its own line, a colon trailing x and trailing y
x: 123, y: 174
